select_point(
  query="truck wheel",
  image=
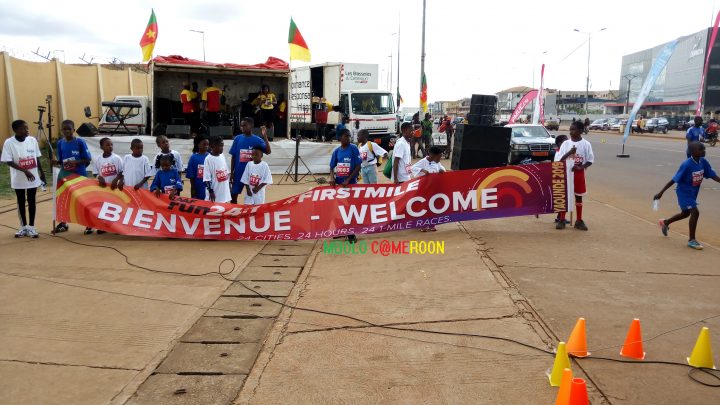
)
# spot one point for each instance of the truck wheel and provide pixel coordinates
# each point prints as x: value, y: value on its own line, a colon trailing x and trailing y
x: 665, y: 131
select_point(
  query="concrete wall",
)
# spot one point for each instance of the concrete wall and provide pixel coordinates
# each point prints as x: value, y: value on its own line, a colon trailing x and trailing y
x: 25, y: 85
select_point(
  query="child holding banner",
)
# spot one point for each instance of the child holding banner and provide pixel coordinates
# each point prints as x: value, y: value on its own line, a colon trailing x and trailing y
x: 175, y: 159
x: 73, y: 156
x: 195, y: 167
x: 167, y: 180
x: 688, y: 178
x: 430, y: 164
x: 256, y: 176
x: 215, y: 173
x: 345, y: 161
x: 581, y: 152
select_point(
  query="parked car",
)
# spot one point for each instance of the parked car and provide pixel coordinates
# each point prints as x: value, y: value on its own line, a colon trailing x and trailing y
x: 552, y: 125
x: 616, y: 126
x: 601, y: 124
x: 657, y: 125
x: 530, y: 142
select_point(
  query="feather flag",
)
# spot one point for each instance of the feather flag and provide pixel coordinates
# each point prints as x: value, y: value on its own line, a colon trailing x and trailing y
x: 147, y: 42
x: 423, y: 94
x: 298, y: 48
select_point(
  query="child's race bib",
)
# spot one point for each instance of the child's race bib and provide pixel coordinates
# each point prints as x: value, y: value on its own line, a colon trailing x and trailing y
x: 168, y: 189
x: 201, y: 171
x: 245, y: 155
x: 697, y: 177
x: 363, y: 155
x: 342, y: 169
x: 108, y: 170
x: 579, y: 160
x: 69, y: 164
x: 254, y: 180
x: 408, y: 169
x: 221, y: 175
x: 27, y: 163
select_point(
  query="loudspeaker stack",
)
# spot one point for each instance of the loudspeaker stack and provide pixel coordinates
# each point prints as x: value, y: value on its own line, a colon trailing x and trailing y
x: 479, y: 144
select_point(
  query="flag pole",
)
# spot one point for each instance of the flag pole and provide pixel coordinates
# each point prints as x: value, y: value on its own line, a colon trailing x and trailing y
x: 422, y: 53
x: 398, y: 65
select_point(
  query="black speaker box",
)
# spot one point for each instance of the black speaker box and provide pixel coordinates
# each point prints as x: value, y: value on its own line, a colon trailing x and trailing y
x: 483, y: 99
x: 182, y: 131
x: 223, y: 131
x: 479, y: 146
x: 87, y: 129
x: 481, y: 119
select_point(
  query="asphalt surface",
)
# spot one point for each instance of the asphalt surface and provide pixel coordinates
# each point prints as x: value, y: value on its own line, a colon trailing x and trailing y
x: 629, y: 184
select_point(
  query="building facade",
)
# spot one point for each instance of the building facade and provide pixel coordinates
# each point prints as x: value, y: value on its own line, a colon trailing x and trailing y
x: 677, y: 88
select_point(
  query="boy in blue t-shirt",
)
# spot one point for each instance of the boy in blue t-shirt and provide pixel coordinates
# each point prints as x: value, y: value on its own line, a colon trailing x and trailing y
x: 688, y: 178
x: 167, y: 180
x: 695, y: 133
x: 73, y: 156
x: 195, y: 167
x: 345, y: 161
x: 241, y: 152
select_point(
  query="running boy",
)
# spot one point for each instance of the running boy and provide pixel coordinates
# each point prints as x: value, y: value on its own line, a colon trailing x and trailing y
x: 194, y: 170
x: 22, y: 153
x: 167, y: 180
x: 688, y: 178
x: 695, y: 133
x: 136, y: 167
x: 369, y: 153
x: 175, y: 159
x: 215, y: 173
x: 73, y: 156
x: 581, y: 152
x: 256, y: 176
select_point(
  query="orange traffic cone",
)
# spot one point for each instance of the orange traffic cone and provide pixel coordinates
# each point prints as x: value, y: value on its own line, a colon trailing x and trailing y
x: 577, y: 344
x: 578, y: 392
x: 563, y: 396
x: 633, y: 347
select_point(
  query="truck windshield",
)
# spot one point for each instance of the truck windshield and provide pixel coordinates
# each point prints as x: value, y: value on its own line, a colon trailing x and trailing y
x: 372, y: 103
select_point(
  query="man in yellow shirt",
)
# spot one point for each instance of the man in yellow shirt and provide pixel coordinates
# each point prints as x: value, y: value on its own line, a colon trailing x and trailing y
x: 187, y: 99
x: 267, y: 102
x: 211, y: 103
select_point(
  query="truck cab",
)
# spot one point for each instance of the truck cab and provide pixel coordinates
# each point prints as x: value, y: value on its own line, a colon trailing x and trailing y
x: 373, y: 110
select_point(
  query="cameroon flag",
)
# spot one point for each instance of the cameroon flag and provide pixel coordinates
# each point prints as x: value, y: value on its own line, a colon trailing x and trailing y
x: 147, y: 42
x: 298, y: 48
x: 423, y: 93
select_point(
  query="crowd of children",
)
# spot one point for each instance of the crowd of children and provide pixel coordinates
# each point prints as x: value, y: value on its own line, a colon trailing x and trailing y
x: 210, y: 179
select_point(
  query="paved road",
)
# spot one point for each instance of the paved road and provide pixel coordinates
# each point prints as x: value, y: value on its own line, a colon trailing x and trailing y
x: 629, y: 184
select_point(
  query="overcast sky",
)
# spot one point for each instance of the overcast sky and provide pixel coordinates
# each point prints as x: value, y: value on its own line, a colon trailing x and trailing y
x: 471, y: 46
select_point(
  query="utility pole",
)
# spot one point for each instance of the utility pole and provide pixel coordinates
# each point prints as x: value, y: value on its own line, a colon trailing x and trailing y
x: 422, y: 53
x: 587, y: 82
x: 398, y: 65
x: 629, y: 77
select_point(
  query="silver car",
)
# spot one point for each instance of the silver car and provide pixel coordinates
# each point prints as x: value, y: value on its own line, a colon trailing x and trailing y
x: 530, y: 142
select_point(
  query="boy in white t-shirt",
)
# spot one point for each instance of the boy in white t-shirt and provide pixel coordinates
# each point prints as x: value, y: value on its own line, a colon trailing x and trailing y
x: 369, y: 154
x: 108, y: 169
x: 430, y: 164
x: 216, y: 174
x: 402, y: 156
x: 22, y: 153
x: 256, y: 176
x: 136, y: 167
x: 581, y: 154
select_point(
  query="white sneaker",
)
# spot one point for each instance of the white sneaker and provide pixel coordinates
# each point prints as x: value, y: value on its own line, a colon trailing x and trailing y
x: 22, y: 232
x: 31, y: 232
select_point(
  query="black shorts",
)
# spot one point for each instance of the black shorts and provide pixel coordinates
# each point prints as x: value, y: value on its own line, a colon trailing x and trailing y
x: 268, y: 115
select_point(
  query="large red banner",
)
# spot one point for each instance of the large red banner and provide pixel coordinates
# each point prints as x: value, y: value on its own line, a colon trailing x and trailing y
x: 322, y: 212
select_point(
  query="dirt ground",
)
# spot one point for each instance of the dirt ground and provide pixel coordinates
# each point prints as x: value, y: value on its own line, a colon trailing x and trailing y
x: 79, y: 325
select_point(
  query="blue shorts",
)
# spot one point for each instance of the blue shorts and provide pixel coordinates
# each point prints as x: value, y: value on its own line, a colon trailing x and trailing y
x: 686, y: 201
x: 237, y: 187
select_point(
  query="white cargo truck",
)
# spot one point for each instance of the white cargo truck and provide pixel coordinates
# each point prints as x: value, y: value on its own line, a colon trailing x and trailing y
x: 352, y: 91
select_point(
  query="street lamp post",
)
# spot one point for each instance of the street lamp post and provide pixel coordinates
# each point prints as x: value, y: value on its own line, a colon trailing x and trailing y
x: 203, y: 41
x: 587, y: 82
x: 629, y: 77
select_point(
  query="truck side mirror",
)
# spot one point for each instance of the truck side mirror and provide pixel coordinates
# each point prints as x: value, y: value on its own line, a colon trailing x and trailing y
x: 88, y: 113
